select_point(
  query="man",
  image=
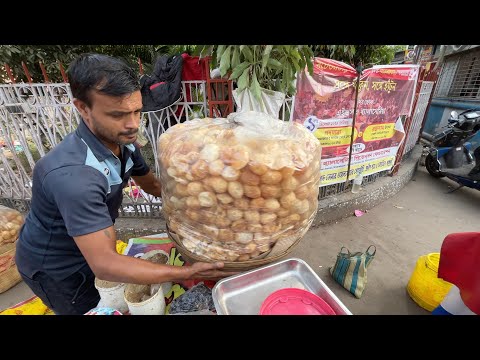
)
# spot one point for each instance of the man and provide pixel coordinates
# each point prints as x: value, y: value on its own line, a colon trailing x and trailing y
x: 68, y: 237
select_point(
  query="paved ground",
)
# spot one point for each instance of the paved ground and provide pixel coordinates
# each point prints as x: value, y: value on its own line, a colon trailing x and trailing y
x: 410, y: 224
x: 426, y: 216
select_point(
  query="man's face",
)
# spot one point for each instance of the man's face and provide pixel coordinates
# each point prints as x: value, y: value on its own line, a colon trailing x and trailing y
x: 114, y: 120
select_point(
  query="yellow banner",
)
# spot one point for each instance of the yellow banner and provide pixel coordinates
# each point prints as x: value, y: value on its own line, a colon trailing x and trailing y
x: 335, y: 136
x: 379, y: 132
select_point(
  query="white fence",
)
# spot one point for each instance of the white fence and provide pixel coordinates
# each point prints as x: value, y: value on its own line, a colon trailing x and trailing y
x: 418, y: 115
x: 34, y: 118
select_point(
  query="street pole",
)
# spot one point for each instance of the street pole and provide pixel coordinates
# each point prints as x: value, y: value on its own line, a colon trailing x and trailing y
x: 359, y: 72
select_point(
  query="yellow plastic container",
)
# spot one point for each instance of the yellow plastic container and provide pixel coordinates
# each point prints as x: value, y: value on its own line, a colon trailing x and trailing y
x: 120, y: 246
x: 424, y: 287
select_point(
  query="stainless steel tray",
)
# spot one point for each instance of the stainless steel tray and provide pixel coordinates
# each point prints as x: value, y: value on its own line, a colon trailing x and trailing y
x: 244, y: 294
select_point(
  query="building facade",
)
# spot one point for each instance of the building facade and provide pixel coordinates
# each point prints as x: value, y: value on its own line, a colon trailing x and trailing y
x: 458, y: 87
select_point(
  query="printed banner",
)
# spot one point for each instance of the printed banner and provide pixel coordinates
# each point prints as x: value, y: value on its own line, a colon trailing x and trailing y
x: 385, y: 99
x: 324, y: 104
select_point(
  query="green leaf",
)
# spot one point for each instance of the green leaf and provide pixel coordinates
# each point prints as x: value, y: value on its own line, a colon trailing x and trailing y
x: 275, y: 64
x: 308, y: 52
x: 243, y: 80
x: 295, y: 65
x: 205, y: 50
x: 237, y: 71
x: 255, y: 88
x: 309, y: 58
x: 225, y: 61
x: 287, y: 77
x: 291, y: 88
x: 220, y: 50
x: 282, y: 83
x: 296, y: 54
x: 198, y: 49
x: 310, y: 66
x: 248, y: 53
x: 235, y: 57
x: 266, y: 56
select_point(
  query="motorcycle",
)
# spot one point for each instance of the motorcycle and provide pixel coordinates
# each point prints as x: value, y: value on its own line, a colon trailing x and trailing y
x: 450, y: 153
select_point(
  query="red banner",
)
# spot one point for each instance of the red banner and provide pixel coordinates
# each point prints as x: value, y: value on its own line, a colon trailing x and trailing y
x: 385, y: 97
x: 324, y: 104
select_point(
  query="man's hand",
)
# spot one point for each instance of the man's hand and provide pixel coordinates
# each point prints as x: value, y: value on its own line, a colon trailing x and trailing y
x: 98, y: 248
x: 149, y: 183
x: 209, y: 271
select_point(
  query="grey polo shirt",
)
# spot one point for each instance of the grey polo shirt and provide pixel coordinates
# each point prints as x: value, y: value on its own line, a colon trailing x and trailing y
x: 77, y: 189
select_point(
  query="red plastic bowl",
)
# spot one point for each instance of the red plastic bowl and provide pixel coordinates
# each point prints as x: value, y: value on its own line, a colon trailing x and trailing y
x: 292, y: 301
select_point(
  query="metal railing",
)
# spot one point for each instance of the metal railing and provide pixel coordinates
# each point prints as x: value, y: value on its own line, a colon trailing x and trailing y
x: 418, y: 115
x: 34, y: 118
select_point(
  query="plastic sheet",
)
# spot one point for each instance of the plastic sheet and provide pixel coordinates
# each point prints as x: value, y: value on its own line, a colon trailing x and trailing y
x: 233, y: 187
x: 270, y: 101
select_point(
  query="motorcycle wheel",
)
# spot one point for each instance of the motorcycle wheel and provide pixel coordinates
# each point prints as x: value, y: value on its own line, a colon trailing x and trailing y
x: 432, y: 166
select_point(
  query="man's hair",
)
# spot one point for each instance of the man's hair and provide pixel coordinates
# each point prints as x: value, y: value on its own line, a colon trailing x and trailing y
x: 105, y: 74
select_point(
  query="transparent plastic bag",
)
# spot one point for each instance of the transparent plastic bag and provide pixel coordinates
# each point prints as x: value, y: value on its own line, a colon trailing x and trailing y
x: 10, y: 223
x: 233, y: 187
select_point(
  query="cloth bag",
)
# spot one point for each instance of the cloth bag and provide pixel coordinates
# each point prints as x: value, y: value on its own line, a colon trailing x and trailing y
x: 350, y: 270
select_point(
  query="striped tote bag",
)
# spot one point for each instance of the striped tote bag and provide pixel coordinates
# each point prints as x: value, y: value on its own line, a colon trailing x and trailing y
x: 350, y: 270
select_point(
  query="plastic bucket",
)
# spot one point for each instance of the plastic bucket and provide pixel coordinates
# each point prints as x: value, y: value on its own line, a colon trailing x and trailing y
x: 154, y: 305
x: 424, y: 286
x: 166, y: 286
x: 111, y: 295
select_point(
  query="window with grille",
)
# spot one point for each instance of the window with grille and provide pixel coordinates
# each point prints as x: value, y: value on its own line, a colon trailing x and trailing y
x: 460, y: 77
x: 446, y: 77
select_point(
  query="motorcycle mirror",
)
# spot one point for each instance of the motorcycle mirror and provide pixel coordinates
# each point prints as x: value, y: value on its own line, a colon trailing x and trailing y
x: 454, y: 114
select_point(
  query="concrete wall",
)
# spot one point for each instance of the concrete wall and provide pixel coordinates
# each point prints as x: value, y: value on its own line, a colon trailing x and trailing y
x: 340, y: 206
x: 441, y: 107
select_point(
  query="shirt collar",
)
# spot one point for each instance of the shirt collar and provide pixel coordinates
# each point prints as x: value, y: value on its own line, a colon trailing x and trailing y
x: 100, y: 151
x: 130, y: 147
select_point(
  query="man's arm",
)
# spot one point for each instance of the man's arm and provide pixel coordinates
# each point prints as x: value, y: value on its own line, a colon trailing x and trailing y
x: 98, y: 248
x: 143, y: 176
x: 80, y: 194
x: 149, y: 183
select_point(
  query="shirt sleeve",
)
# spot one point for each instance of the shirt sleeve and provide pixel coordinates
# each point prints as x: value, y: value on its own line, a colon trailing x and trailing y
x: 140, y: 167
x: 80, y: 193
